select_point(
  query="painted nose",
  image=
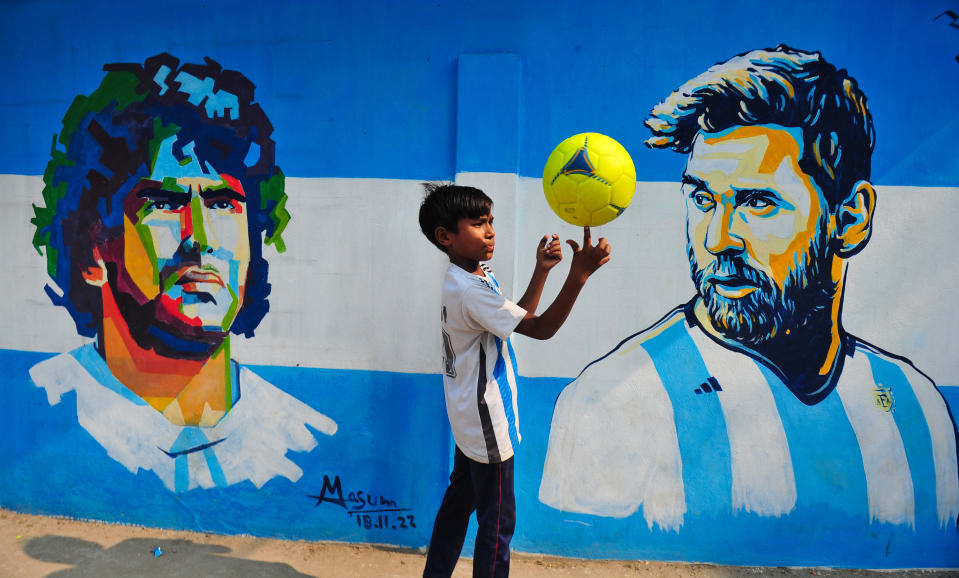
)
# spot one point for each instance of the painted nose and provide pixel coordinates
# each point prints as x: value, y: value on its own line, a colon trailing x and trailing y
x: 720, y: 237
x: 195, y: 228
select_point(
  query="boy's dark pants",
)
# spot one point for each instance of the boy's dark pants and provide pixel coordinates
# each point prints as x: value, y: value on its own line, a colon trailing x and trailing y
x: 488, y: 489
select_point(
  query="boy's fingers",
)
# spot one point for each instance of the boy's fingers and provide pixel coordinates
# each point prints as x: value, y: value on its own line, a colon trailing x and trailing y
x: 542, y: 242
x: 586, y: 237
x: 573, y: 244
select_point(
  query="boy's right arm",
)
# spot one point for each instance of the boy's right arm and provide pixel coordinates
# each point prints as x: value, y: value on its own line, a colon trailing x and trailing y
x: 586, y: 260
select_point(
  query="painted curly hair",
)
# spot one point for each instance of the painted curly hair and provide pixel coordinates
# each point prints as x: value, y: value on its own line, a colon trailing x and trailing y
x: 109, y: 142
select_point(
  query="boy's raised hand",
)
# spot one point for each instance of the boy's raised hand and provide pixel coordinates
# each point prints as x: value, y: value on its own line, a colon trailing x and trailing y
x: 549, y: 252
x: 588, y: 258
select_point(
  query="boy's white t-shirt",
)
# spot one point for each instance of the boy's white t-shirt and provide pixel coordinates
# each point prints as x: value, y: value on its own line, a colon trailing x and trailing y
x: 479, y: 365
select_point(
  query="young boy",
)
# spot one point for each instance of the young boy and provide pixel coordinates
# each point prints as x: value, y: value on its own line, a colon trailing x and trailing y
x: 480, y: 369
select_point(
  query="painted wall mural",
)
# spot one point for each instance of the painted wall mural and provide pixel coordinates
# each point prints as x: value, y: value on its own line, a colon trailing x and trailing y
x: 764, y: 374
x: 161, y: 192
x: 161, y: 186
x: 751, y: 398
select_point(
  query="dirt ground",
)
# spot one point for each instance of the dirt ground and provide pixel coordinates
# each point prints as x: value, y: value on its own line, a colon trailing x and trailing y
x: 42, y: 546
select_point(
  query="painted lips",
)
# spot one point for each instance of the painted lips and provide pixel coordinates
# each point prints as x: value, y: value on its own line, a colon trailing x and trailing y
x: 731, y: 287
x: 197, y: 281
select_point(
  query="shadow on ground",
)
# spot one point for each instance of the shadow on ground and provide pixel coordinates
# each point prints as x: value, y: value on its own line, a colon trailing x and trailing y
x: 137, y: 557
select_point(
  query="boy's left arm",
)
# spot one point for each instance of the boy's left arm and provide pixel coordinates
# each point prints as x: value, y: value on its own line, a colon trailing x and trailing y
x: 586, y: 260
x: 549, y: 252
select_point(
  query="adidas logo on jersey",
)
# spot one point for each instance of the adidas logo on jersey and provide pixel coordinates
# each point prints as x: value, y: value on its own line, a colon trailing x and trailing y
x: 711, y: 385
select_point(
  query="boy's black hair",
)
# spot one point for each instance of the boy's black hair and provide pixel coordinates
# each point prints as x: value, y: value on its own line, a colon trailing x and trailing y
x: 445, y: 204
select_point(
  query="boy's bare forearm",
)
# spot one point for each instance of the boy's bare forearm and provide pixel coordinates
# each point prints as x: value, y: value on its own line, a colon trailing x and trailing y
x: 586, y: 260
x: 546, y: 325
x: 530, y: 299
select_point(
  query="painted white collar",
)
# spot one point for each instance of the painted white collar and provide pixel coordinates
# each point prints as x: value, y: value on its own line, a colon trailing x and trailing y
x: 249, y: 443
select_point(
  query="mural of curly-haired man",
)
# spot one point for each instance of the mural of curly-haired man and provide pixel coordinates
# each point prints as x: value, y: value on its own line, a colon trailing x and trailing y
x: 161, y: 191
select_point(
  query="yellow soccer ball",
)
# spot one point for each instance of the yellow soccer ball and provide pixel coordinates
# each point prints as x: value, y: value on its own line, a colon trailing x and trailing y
x: 589, y: 179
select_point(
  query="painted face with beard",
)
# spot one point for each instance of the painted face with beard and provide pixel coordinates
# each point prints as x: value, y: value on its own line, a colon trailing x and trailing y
x: 182, y: 268
x: 758, y: 231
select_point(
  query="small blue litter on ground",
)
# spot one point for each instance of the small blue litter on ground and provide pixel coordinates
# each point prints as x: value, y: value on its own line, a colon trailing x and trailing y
x: 157, y: 552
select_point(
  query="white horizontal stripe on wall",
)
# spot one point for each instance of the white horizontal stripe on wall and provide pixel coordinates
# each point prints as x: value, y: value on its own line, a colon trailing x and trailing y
x: 359, y: 285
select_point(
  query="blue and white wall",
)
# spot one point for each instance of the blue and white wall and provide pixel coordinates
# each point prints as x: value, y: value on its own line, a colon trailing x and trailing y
x: 369, y: 99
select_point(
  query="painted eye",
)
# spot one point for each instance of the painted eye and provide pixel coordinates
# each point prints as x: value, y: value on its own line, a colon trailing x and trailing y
x: 702, y: 200
x: 758, y: 203
x: 222, y: 204
x: 165, y: 205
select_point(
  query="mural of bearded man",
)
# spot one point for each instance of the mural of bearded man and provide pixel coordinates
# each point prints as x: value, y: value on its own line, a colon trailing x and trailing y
x: 751, y: 399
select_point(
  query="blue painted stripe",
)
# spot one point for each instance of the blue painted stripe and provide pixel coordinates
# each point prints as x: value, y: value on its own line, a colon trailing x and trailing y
x: 386, y: 107
x: 191, y: 440
x: 88, y: 357
x: 233, y: 395
x: 181, y: 473
x: 827, y: 461
x: 951, y: 394
x: 915, y: 434
x: 700, y: 424
x: 505, y: 391
x: 216, y: 471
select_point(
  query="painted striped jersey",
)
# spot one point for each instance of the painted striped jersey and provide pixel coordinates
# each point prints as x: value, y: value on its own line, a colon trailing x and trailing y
x: 676, y: 424
x: 250, y: 443
x: 479, y: 365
